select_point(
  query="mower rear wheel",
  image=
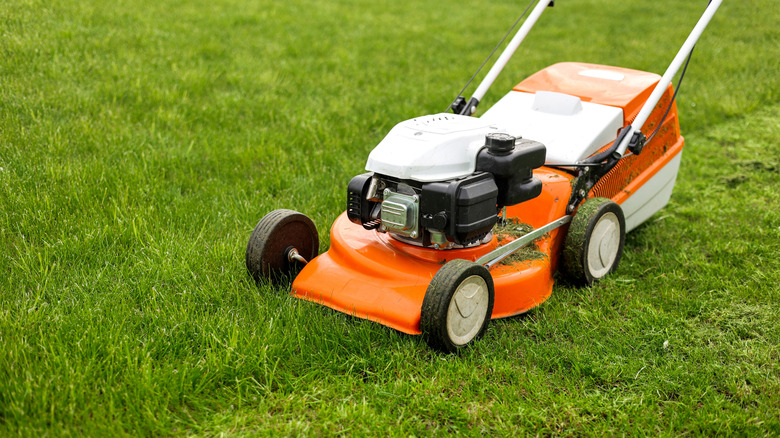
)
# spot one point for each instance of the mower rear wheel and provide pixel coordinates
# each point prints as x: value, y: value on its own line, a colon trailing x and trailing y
x: 594, y: 242
x: 457, y: 305
x: 280, y: 245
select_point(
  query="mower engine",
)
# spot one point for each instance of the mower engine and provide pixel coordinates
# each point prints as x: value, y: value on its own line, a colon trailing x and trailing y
x: 440, y: 181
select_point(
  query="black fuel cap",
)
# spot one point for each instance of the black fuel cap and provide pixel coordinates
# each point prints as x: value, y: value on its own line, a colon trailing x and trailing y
x: 499, y: 142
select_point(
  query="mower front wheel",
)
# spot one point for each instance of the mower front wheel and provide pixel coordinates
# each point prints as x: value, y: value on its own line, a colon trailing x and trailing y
x: 457, y: 305
x: 281, y: 243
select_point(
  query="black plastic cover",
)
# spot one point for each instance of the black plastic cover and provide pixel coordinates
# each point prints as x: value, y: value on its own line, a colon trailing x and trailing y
x: 358, y: 206
x: 464, y: 209
x: 513, y: 170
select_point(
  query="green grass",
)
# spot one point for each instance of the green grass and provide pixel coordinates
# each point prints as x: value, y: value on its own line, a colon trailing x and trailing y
x: 141, y: 141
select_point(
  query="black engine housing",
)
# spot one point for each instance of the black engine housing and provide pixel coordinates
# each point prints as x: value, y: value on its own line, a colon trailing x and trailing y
x: 512, y: 162
x: 464, y: 210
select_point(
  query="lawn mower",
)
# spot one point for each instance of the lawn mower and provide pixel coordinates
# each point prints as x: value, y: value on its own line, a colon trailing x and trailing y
x: 461, y: 219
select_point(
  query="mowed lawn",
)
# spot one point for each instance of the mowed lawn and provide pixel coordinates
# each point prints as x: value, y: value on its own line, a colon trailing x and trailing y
x: 141, y: 141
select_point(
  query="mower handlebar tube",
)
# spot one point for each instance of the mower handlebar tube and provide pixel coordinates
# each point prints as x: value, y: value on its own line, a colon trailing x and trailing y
x: 506, y: 55
x: 660, y: 88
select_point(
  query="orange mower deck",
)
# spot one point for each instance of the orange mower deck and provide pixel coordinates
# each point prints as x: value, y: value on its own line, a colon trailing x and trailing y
x: 370, y: 275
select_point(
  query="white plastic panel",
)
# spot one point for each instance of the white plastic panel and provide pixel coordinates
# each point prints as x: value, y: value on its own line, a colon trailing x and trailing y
x: 603, y: 74
x: 652, y: 196
x: 431, y: 148
x: 571, y: 130
x: 557, y: 103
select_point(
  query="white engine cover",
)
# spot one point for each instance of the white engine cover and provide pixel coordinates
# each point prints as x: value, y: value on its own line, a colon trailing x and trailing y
x: 444, y: 146
x: 437, y: 147
x: 570, y: 129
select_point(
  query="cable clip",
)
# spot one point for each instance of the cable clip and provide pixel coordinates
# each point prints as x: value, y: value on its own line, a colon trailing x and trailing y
x: 458, y: 105
x: 637, y: 143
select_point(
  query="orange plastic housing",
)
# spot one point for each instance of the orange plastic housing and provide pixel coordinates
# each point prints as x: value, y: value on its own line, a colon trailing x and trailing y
x: 629, y: 93
x: 373, y: 276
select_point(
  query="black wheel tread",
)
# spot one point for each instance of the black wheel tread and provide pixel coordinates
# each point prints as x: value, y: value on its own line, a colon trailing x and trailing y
x: 577, y: 238
x: 433, y: 315
x: 265, y: 256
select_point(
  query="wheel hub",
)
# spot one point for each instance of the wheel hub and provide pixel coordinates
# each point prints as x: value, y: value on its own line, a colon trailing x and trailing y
x: 604, y: 245
x: 467, y: 310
